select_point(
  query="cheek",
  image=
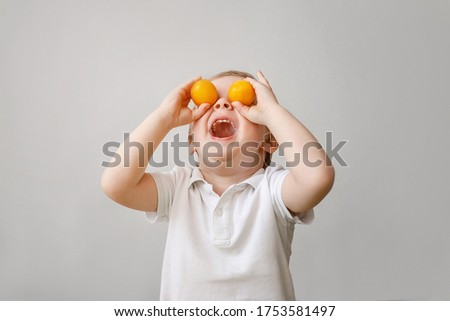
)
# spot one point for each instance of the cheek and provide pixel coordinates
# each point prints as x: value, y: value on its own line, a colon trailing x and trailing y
x: 194, y: 132
x: 253, y: 132
x: 201, y: 124
x: 198, y: 129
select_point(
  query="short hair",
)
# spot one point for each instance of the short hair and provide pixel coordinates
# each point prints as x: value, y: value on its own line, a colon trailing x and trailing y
x: 236, y: 73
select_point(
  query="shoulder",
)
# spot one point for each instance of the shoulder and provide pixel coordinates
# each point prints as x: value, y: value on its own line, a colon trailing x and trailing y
x: 177, y: 173
x: 173, y: 178
x: 274, y: 173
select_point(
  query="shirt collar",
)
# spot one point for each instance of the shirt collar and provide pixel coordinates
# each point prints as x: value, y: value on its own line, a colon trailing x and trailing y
x: 252, y: 180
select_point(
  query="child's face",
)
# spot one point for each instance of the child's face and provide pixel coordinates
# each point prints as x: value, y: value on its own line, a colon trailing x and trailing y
x: 224, y: 127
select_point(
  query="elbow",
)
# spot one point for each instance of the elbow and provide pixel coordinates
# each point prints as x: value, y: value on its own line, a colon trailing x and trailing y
x: 111, y: 187
x: 328, y: 176
x: 321, y: 181
x: 324, y: 180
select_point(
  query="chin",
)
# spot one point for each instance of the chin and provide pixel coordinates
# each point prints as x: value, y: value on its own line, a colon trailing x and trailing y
x: 228, y: 157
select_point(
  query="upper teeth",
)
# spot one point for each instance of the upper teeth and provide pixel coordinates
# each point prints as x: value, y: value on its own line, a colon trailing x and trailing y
x: 222, y: 121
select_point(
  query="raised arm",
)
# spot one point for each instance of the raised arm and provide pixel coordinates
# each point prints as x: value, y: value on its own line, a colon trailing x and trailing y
x: 305, y: 184
x: 130, y: 185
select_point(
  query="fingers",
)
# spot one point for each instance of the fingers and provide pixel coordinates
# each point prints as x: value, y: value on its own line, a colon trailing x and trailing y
x: 263, y: 90
x: 190, y: 82
x: 185, y: 87
x: 200, y: 111
x: 253, y: 82
x: 262, y: 79
x: 257, y: 84
x: 241, y: 108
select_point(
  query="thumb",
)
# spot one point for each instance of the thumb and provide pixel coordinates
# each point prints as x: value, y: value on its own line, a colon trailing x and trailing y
x: 241, y: 108
x: 200, y: 111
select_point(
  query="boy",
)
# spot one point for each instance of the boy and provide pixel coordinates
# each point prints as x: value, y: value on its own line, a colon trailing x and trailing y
x: 231, y: 219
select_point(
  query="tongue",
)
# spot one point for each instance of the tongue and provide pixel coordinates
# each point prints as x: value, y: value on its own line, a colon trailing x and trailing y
x: 223, y: 130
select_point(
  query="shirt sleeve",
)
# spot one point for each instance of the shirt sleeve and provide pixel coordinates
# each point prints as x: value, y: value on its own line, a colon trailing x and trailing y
x: 276, y: 181
x: 165, y: 186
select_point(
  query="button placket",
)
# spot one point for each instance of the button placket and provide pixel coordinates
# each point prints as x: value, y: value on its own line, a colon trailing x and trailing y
x: 221, y: 227
x: 221, y: 219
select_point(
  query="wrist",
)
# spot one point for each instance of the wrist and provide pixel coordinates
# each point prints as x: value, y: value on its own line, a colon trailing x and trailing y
x: 272, y: 113
x: 164, y: 119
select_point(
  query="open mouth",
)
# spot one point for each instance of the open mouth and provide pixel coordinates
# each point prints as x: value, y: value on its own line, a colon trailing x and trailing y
x: 223, y: 128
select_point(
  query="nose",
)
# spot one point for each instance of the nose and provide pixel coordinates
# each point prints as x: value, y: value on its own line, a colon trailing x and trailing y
x: 223, y: 103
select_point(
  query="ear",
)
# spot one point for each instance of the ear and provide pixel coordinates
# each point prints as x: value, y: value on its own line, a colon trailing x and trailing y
x: 191, y: 147
x: 270, y: 144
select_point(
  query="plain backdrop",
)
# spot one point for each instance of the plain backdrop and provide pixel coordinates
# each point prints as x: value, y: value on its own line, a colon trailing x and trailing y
x: 75, y: 75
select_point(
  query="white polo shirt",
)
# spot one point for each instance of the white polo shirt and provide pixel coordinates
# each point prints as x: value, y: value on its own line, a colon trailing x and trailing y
x: 230, y: 247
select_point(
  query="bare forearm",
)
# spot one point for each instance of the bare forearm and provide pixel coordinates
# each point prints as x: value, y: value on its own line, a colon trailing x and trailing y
x: 148, y: 135
x: 127, y: 183
x: 296, y: 141
x: 310, y: 176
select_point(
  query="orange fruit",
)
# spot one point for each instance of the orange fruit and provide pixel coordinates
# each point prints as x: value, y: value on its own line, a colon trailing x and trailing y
x: 203, y: 91
x: 242, y: 91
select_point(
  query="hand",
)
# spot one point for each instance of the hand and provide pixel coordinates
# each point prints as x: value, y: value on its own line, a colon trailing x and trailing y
x: 175, y: 105
x: 265, y: 98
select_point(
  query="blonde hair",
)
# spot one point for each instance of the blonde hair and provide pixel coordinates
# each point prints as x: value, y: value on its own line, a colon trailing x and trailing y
x: 236, y: 73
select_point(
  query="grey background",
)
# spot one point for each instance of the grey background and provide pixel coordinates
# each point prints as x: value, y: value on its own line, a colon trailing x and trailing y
x: 77, y: 74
